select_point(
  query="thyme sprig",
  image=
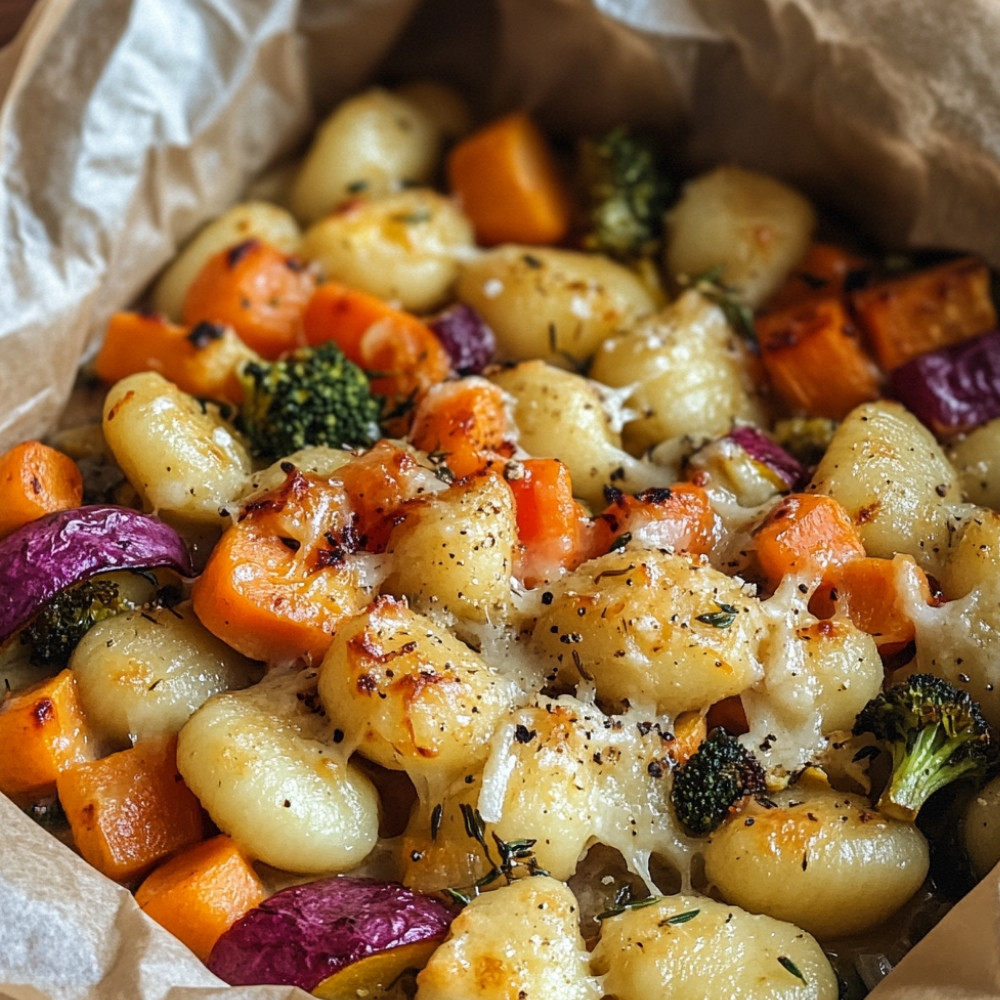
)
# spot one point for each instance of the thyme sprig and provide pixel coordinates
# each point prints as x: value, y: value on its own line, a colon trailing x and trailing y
x: 722, y: 618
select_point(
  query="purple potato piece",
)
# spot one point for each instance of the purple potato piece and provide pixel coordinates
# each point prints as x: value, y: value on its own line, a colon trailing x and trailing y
x: 470, y: 343
x: 67, y: 547
x: 307, y: 933
x: 954, y: 388
x: 762, y: 449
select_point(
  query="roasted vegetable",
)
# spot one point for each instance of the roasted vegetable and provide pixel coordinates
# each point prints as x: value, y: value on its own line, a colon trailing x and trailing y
x: 313, y: 396
x: 935, y: 733
x: 714, y: 781
x: 332, y: 937
x: 54, y: 632
x: 955, y: 388
x: 67, y: 547
x: 470, y: 343
x: 625, y: 189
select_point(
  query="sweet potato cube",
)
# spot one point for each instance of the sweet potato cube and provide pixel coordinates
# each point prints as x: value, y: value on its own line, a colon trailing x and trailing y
x: 42, y: 731
x: 872, y: 592
x: 814, y: 359
x: 916, y: 313
x: 131, y: 809
x: 200, y: 893
x: 808, y: 534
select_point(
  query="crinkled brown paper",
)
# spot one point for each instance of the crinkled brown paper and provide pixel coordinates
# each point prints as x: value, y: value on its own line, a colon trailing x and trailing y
x: 126, y: 123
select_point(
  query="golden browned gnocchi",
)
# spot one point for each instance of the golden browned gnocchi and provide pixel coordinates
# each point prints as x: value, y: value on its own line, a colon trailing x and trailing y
x: 556, y: 305
x: 414, y: 696
x: 520, y: 940
x: 801, y: 859
x: 267, y: 769
x: 637, y: 625
x: 695, y: 948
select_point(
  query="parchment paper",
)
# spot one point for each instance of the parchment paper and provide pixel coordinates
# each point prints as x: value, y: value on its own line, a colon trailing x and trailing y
x: 125, y: 123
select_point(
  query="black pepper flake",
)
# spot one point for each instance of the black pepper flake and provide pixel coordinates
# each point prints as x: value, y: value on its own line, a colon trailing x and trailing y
x: 523, y: 734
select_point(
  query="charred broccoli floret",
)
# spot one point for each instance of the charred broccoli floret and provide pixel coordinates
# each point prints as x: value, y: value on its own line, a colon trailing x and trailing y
x: 935, y: 733
x: 625, y: 189
x: 714, y: 780
x: 55, y: 631
x: 312, y: 396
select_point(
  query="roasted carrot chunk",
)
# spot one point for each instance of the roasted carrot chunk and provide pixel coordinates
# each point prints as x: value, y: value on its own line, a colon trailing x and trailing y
x: 689, y: 732
x: 257, y: 290
x: 35, y: 480
x: 807, y: 534
x: 508, y: 183
x: 550, y: 521
x: 465, y: 422
x: 728, y: 714
x: 872, y: 593
x: 814, y: 359
x: 825, y: 270
x: 200, y: 893
x: 344, y: 315
x: 908, y: 316
x: 42, y: 732
x: 131, y: 809
x: 276, y: 583
x: 202, y: 360
x: 680, y: 518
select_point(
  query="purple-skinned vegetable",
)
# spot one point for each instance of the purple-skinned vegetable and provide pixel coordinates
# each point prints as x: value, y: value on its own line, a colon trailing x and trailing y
x: 954, y: 388
x: 64, y: 548
x: 769, y: 453
x: 470, y: 343
x: 325, y: 936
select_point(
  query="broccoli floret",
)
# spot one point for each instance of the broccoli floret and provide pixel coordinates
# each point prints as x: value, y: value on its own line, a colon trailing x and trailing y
x: 713, y: 781
x: 625, y: 191
x: 935, y: 734
x: 55, y: 631
x: 312, y: 396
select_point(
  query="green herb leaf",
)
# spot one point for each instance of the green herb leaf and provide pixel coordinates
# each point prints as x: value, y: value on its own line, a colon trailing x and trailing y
x: 680, y: 918
x: 620, y: 541
x: 789, y: 966
x: 722, y: 618
x: 625, y: 907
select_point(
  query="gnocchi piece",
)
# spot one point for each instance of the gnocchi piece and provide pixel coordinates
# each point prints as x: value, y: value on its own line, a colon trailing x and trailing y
x: 260, y: 764
x: 690, y: 947
x: 143, y: 673
x: 180, y: 456
x: 644, y: 627
x: 371, y: 144
x: 565, y: 775
x: 981, y: 829
x: 402, y: 247
x: 520, y: 940
x: 559, y: 414
x: 443, y: 105
x: 976, y: 458
x: 452, y: 555
x: 960, y: 640
x: 247, y: 220
x: 821, y: 859
x: 314, y: 460
x: 754, y: 227
x: 414, y: 696
x: 890, y: 474
x: 689, y: 373
x: 817, y: 676
x: 556, y: 305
